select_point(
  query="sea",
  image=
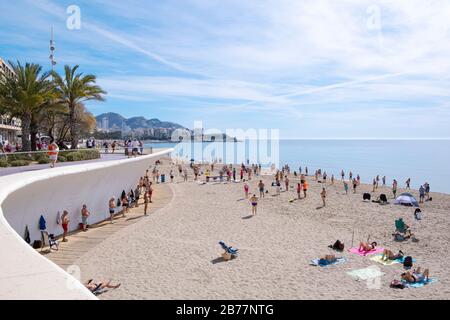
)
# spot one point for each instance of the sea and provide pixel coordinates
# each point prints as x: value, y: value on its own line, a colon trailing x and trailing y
x: 420, y: 160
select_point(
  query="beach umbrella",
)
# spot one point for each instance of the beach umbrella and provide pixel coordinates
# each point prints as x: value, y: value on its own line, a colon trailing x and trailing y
x: 406, y: 199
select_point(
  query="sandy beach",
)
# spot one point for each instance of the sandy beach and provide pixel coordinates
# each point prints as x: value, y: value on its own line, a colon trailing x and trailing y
x: 173, y: 253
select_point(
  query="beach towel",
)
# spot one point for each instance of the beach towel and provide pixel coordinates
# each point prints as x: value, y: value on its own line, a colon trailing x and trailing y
x: 377, y: 258
x: 317, y: 262
x: 418, y: 284
x: 366, y: 273
x: 363, y: 253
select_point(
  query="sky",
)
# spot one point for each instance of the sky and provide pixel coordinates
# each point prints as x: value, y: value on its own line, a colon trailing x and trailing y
x: 348, y: 69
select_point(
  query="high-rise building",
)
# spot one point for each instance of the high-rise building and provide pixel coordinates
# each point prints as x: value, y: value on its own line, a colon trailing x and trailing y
x: 9, y: 127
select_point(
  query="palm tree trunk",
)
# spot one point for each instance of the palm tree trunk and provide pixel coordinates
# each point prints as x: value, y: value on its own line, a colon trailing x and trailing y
x: 73, y: 128
x: 26, y: 123
x: 34, y: 132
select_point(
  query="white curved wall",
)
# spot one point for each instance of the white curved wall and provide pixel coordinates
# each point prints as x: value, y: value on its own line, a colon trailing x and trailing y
x: 26, y: 274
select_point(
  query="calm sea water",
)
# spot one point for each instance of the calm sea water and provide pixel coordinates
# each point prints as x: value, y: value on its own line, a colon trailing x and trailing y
x: 420, y: 160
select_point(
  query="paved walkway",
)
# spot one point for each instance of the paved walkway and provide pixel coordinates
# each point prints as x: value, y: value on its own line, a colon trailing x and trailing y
x: 81, y: 242
x: 34, y: 167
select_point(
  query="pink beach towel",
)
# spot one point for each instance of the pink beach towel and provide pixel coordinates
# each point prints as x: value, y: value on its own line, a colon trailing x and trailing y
x: 364, y: 253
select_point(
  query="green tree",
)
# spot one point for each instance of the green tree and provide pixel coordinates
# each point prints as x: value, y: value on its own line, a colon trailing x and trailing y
x: 73, y: 89
x: 25, y: 94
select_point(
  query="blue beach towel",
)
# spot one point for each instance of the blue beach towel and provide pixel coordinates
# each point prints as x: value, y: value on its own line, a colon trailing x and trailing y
x: 324, y: 263
x: 418, y: 284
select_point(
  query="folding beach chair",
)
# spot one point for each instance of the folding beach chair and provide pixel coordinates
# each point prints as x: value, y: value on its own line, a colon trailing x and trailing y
x: 50, y: 239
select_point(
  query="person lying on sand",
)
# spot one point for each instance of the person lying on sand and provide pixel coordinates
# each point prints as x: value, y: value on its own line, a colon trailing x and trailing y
x: 327, y: 259
x: 366, y: 247
x: 389, y: 255
x: 416, y: 276
x: 94, y: 286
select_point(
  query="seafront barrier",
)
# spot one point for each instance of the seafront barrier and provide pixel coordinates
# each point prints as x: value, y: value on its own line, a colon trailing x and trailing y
x: 24, y: 197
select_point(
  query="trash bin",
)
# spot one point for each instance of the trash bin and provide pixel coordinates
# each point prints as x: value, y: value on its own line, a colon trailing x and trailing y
x: 163, y: 178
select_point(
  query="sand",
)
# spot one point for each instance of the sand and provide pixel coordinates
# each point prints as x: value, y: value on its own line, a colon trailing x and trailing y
x: 173, y: 254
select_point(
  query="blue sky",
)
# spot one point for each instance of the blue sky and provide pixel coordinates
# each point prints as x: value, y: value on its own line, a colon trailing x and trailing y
x: 312, y: 69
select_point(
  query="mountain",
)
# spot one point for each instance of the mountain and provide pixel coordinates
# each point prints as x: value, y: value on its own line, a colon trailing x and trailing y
x: 111, y: 120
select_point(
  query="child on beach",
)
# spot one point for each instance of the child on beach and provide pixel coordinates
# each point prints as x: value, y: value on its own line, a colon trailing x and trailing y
x: 355, y: 184
x: 346, y: 187
x: 299, y: 190
x: 112, y: 206
x: 246, y: 190
x: 254, y: 202
x: 124, y: 205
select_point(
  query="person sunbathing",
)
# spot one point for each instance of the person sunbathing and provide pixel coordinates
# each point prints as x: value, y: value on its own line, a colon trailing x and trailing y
x: 366, y: 247
x: 416, y: 276
x: 94, y: 286
x: 327, y: 259
x: 389, y: 255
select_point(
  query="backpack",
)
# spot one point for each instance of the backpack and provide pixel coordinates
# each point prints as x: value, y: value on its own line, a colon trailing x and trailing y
x: 408, y: 262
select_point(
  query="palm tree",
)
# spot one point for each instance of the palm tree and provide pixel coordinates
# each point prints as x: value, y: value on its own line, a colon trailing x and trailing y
x: 73, y: 89
x: 25, y: 94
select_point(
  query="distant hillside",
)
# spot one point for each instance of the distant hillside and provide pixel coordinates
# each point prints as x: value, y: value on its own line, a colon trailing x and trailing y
x: 111, y: 120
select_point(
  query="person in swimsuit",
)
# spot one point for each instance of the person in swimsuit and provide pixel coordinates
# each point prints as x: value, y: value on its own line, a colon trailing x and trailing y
x: 124, y: 205
x: 366, y: 247
x: 323, y: 195
x: 112, y: 206
x: 346, y: 187
x: 146, y: 201
x: 84, y: 216
x: 299, y: 190
x: 65, y: 224
x: 416, y: 276
x: 389, y: 255
x: 254, y: 202
x: 305, y: 188
x: 246, y: 190
x: 261, y: 189
x: 93, y: 286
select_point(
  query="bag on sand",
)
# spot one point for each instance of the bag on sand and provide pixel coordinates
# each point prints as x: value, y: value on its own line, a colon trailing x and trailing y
x: 338, y: 246
x: 397, y: 284
x: 408, y: 262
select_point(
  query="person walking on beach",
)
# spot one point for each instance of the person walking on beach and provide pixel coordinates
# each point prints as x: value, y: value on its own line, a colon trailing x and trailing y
x: 378, y: 181
x: 332, y: 179
x: 53, y: 152
x: 112, y: 208
x: 65, y: 224
x: 384, y: 180
x: 355, y: 184
x: 306, y: 171
x: 324, y: 177
x: 113, y: 146
x: 246, y: 190
x: 234, y: 174
x: 408, y: 182
x: 299, y: 190
x: 254, y: 202
x: 84, y: 216
x: 350, y: 176
x: 394, y: 187
x: 342, y: 174
x: 323, y: 195
x: 286, y: 183
x: 185, y: 175
x: 421, y: 194
x: 261, y: 189
x: 374, y: 183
